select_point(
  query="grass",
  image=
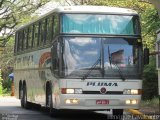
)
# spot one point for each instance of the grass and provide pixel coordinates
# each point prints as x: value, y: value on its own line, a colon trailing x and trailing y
x: 4, y: 92
x: 150, y: 103
x: 150, y: 106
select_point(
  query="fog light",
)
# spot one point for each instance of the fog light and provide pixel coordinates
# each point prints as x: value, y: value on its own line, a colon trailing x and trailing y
x: 68, y: 101
x: 72, y: 101
x: 134, y: 102
x: 75, y: 101
x: 128, y: 102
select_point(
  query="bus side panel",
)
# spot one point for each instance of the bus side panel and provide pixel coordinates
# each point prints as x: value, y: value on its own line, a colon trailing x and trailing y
x: 34, y: 68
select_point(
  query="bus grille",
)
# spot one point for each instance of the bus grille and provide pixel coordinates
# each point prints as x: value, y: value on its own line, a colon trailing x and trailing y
x: 108, y: 92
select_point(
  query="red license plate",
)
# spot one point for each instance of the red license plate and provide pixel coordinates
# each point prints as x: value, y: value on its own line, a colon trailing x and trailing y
x: 102, y: 102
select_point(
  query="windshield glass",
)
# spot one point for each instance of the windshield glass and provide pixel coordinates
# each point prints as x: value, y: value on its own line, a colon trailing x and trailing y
x: 107, y: 55
x: 99, y: 24
x: 121, y: 55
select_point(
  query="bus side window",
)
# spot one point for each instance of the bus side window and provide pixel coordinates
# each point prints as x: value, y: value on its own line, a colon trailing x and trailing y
x: 16, y: 41
x: 45, y: 31
x: 52, y: 28
x: 35, y: 38
x: 39, y: 33
x: 49, y: 30
x: 25, y: 40
x: 20, y: 40
x: 42, y: 33
x: 29, y: 37
x: 55, y: 25
x: 32, y: 41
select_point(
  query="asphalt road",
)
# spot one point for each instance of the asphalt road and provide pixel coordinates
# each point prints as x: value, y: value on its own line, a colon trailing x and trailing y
x: 10, y: 109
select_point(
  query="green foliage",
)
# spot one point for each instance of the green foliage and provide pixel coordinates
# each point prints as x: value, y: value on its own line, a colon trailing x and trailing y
x: 1, y: 90
x: 6, y: 86
x: 150, y: 82
x: 16, y: 12
x: 7, y: 60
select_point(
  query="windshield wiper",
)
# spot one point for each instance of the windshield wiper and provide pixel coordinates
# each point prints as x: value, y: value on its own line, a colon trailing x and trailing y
x: 119, y: 70
x: 90, y: 70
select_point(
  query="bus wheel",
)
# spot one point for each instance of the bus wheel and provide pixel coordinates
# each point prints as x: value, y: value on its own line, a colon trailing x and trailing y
x: 20, y: 90
x: 117, y: 114
x: 24, y: 102
x: 21, y: 97
x: 49, y: 103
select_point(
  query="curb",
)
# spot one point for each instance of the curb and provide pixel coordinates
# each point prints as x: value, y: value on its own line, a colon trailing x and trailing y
x: 139, y: 114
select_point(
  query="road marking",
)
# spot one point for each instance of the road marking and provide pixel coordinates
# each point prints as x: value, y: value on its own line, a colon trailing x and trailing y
x: 139, y: 114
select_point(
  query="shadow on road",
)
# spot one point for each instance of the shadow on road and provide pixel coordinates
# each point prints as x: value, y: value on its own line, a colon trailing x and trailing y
x: 77, y: 115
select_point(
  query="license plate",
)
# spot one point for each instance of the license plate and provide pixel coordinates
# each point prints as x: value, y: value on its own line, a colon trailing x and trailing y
x: 102, y: 102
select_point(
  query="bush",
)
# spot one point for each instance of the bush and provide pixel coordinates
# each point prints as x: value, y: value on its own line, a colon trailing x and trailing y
x: 150, y: 80
x: 7, y: 85
x: 153, y: 103
x: 1, y: 89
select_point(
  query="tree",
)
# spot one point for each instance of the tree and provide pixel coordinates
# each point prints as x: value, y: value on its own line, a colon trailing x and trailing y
x: 156, y: 4
x: 13, y: 13
x: 150, y: 82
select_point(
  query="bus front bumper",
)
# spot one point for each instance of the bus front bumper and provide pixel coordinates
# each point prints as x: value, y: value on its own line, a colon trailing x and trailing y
x: 98, y: 102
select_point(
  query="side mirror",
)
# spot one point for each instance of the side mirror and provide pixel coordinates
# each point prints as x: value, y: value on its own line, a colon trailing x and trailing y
x: 146, y: 56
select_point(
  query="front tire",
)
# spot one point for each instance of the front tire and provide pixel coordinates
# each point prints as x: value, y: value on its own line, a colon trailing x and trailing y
x: 49, y: 103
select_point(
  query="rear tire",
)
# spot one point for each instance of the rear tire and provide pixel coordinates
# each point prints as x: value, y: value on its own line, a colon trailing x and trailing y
x: 21, y: 97
x: 117, y: 114
x: 24, y: 102
x: 20, y: 90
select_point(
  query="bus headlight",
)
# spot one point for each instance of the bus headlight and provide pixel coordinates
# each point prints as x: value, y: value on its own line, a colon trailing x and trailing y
x: 71, y: 91
x: 132, y: 92
x: 131, y: 102
x: 78, y: 91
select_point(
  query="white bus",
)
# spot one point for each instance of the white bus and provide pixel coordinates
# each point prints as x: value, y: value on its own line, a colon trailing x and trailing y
x: 80, y: 58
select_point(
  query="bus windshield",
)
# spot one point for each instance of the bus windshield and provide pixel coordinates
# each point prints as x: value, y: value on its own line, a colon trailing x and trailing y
x: 99, y: 24
x: 107, y: 55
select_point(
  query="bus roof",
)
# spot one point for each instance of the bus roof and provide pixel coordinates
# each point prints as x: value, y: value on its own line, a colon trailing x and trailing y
x: 85, y: 9
x: 94, y: 9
